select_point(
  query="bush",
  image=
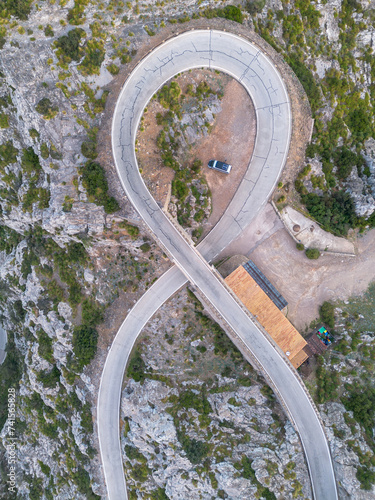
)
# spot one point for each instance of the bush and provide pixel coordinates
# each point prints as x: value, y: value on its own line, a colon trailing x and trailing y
x: 145, y: 247
x: 85, y: 339
x: 255, y: 6
x: 113, y: 69
x: 76, y: 252
x: 4, y: 120
x: 136, y: 368
x: 335, y: 212
x: 312, y: 253
x: 17, y: 8
x: 9, y: 239
x: 188, y: 399
x: 111, y: 205
x: 327, y: 314
x: 8, y: 154
x: 366, y: 477
x: 48, y: 31
x: 300, y: 246
x: 307, y: 80
x: 30, y: 162
x: 362, y: 404
x: 10, y: 375
x: 69, y: 45
x: 46, y: 108
x: 94, y: 180
x: 49, y: 378
x: 93, y: 59
x: 345, y: 161
x: 44, y: 151
x: 88, y: 149
x: 231, y: 12
x: 92, y: 312
x: 180, y: 189
x: 133, y: 231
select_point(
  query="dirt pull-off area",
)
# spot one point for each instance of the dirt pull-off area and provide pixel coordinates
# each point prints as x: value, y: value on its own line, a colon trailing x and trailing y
x: 304, y: 283
x: 229, y: 138
x: 232, y: 140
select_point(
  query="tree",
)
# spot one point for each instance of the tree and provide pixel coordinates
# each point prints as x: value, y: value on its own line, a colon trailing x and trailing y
x: 327, y: 314
x: 312, y: 253
x: 69, y: 45
x: 85, y: 340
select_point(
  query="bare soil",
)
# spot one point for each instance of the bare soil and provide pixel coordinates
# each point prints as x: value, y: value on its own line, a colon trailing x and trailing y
x: 304, y: 283
x: 229, y: 140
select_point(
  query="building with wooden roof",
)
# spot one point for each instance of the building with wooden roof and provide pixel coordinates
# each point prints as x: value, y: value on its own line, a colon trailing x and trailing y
x: 265, y: 303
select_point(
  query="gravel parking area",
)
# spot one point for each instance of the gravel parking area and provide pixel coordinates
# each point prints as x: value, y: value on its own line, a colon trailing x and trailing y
x: 304, y: 283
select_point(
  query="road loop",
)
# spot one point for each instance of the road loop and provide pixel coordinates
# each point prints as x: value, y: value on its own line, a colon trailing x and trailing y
x: 243, y: 61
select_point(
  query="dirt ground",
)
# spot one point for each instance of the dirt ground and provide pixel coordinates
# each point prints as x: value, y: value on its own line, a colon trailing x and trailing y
x: 228, y: 141
x: 304, y: 283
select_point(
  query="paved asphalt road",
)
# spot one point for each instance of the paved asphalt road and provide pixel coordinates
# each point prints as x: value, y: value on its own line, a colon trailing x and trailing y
x: 248, y: 65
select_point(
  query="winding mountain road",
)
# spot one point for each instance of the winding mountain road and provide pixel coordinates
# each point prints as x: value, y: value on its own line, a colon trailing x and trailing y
x: 251, y: 67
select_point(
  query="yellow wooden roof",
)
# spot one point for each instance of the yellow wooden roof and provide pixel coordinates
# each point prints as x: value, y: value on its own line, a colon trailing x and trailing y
x: 268, y: 315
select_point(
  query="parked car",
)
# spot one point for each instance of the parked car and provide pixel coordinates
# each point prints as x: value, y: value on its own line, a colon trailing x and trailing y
x: 220, y: 166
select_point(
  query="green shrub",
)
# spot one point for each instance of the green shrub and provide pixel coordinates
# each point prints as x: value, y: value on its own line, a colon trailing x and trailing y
x: 195, y: 450
x: 69, y: 45
x: 113, y: 69
x: 16, y: 8
x: 44, y: 151
x: 46, y: 108
x: 133, y: 231
x: 327, y: 314
x: 345, y: 161
x: 312, y: 253
x: 300, y: 246
x: 255, y: 6
x: 10, y: 375
x: 231, y: 12
x: 307, y: 80
x: 49, y: 378
x: 8, y: 154
x: 55, y: 154
x: 30, y: 161
x: 85, y: 339
x: 77, y: 253
x: 92, y: 312
x: 362, y: 404
x: 335, y: 212
x: 9, y: 239
x: 145, y: 247
x: 45, y: 346
x: 188, y: 399
x: 48, y: 31
x: 136, y: 367
x: 4, y: 120
x: 366, y: 477
x: 94, y: 180
x: 180, y: 189
x: 46, y: 469
x: 94, y: 56
x: 34, y: 134
x: 169, y: 96
x: 75, y: 293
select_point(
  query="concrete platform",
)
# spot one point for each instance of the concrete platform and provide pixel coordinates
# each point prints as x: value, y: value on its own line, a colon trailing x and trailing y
x: 308, y: 232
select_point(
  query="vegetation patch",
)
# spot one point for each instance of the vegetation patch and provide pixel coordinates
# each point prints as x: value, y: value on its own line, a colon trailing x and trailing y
x: 46, y: 108
x: 85, y: 339
x: 94, y: 180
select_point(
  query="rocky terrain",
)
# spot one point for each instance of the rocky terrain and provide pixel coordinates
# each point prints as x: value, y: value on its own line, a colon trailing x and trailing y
x: 73, y: 254
x: 197, y: 419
